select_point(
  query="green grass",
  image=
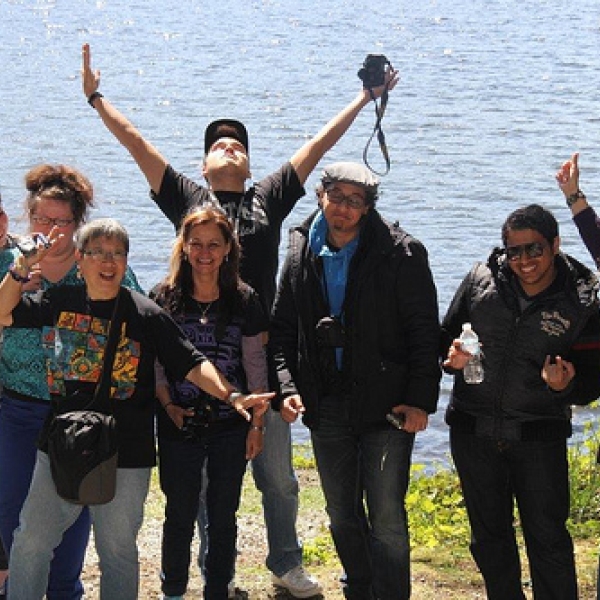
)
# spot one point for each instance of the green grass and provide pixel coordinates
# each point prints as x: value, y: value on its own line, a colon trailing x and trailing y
x: 439, y: 527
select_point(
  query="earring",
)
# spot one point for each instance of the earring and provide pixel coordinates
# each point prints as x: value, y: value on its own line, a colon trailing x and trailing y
x: 78, y: 273
x: 226, y: 259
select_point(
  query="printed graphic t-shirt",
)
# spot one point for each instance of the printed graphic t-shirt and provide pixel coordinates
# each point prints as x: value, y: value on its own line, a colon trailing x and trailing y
x: 74, y: 334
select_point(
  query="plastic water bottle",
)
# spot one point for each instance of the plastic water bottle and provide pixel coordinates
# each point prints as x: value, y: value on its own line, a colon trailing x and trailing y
x: 473, y: 371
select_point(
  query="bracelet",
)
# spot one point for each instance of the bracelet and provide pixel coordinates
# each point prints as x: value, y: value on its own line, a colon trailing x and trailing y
x: 232, y: 397
x: 92, y: 97
x: 167, y: 404
x: 578, y: 195
x: 260, y: 428
x: 16, y: 276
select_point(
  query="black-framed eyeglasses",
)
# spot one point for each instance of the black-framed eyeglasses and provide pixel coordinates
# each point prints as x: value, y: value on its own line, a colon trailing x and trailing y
x: 98, y: 255
x: 532, y: 250
x: 336, y: 196
x: 38, y: 220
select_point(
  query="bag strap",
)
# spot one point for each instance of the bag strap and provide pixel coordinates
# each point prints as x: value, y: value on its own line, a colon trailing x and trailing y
x: 114, y: 333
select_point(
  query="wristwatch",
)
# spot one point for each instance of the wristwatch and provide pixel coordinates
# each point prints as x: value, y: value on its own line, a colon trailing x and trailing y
x: 578, y: 195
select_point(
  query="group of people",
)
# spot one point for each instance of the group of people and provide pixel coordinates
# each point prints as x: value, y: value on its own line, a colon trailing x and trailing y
x: 213, y: 367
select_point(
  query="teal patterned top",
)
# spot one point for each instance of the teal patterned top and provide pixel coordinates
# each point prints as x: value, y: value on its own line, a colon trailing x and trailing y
x: 23, y: 363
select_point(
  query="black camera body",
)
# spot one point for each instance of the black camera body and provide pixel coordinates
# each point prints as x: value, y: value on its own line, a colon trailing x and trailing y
x: 330, y: 332
x: 372, y: 73
x: 28, y: 244
x: 193, y: 425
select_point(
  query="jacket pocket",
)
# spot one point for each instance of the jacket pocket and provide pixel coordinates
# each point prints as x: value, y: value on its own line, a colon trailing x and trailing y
x: 388, y: 386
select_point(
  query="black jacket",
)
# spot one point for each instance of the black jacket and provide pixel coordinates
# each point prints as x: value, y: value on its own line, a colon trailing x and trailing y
x: 513, y: 401
x: 390, y: 319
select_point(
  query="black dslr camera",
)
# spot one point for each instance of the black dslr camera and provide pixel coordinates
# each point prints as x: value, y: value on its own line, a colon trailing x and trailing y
x: 193, y: 425
x: 330, y: 332
x: 28, y: 245
x: 373, y: 70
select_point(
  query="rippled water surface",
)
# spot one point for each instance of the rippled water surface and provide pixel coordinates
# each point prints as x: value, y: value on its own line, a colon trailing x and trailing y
x: 493, y: 96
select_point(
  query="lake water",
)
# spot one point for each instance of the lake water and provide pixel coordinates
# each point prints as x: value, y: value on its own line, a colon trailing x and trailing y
x: 493, y: 97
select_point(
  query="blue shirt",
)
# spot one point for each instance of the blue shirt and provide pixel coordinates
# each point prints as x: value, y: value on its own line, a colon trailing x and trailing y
x: 336, y: 265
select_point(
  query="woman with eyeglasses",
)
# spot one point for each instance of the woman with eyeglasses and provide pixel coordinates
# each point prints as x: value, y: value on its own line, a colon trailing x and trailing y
x: 60, y: 197
x: 197, y: 435
x: 74, y: 322
x: 535, y: 310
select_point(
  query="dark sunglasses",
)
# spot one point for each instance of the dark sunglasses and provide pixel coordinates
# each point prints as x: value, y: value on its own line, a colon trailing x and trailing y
x: 532, y: 250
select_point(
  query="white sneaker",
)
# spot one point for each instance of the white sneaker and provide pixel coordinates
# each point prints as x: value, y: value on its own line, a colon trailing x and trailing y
x: 231, y: 589
x: 298, y: 583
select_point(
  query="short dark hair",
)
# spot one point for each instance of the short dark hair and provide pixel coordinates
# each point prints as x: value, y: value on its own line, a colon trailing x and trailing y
x: 534, y: 217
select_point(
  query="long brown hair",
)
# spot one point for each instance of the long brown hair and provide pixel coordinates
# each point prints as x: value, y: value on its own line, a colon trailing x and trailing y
x: 179, y: 282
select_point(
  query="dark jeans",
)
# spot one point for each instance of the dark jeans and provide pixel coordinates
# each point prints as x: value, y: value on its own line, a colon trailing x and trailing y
x: 3, y: 558
x: 180, y: 467
x: 534, y: 473
x: 364, y: 478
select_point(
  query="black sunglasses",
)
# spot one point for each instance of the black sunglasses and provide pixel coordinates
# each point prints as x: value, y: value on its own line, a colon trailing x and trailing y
x: 532, y: 250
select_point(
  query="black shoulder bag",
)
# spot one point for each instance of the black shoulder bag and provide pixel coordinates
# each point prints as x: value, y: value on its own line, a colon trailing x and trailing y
x: 82, y: 444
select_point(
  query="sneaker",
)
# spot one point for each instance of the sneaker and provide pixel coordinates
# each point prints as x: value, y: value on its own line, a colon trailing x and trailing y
x: 231, y: 589
x: 298, y: 583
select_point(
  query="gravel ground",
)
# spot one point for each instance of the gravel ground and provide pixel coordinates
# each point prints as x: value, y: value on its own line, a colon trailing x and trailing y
x: 253, y: 577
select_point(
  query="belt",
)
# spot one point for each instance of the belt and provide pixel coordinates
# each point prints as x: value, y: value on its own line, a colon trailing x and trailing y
x: 501, y: 428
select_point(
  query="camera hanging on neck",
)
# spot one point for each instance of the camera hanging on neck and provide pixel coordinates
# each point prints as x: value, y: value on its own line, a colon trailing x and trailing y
x: 373, y: 74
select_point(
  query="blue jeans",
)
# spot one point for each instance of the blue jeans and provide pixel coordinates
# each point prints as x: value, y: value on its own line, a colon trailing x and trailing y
x: 493, y: 474
x: 223, y: 453
x: 365, y: 477
x: 275, y: 478
x: 46, y: 516
x: 20, y: 425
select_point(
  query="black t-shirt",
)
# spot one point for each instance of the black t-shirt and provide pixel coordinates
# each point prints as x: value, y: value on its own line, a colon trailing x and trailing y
x: 74, y: 335
x: 221, y: 343
x: 258, y: 214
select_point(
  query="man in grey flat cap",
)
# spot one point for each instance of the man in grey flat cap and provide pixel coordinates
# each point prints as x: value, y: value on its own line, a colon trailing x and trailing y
x: 355, y: 336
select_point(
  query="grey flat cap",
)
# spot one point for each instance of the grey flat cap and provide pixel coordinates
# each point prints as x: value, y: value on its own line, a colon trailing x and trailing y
x: 349, y: 172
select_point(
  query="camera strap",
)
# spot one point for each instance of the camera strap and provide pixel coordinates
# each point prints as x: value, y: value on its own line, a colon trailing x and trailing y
x: 379, y: 112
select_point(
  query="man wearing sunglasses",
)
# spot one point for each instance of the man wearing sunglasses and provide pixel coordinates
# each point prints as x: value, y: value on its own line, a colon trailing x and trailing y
x: 535, y: 310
